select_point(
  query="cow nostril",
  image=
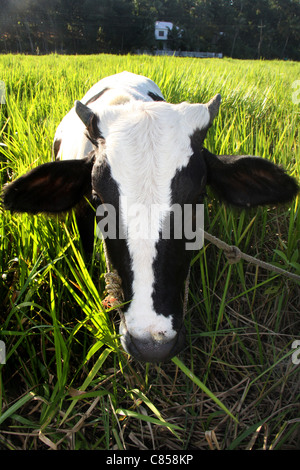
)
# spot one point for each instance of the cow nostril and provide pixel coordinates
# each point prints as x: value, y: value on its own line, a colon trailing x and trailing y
x: 152, y: 350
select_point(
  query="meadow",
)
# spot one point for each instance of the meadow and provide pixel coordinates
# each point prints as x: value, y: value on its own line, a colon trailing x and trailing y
x: 67, y: 383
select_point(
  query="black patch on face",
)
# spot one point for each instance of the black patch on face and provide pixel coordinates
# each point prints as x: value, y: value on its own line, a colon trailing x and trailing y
x: 93, y: 131
x: 96, y: 97
x: 155, y: 96
x: 170, y: 271
x: 197, y: 140
x: 107, y: 190
x: 172, y: 259
x: 85, y: 217
x: 55, y: 148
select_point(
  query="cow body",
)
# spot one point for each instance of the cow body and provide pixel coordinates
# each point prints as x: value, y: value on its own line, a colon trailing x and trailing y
x: 124, y: 147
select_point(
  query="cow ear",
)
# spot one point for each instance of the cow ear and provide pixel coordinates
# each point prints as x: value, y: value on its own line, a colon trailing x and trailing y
x: 199, y: 135
x: 53, y: 187
x: 247, y: 181
x: 90, y: 120
x: 213, y: 107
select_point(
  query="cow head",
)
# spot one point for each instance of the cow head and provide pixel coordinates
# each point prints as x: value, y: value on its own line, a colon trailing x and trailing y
x: 149, y: 154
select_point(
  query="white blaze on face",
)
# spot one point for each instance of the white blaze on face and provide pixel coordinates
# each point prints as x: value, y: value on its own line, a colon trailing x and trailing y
x: 145, y: 144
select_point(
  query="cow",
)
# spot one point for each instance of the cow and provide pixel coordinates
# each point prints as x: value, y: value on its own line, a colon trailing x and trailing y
x: 123, y: 144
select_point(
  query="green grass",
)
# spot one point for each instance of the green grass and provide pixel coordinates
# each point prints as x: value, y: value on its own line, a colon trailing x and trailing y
x: 67, y: 383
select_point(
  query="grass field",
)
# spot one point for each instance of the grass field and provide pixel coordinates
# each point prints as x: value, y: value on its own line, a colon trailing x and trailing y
x: 67, y: 384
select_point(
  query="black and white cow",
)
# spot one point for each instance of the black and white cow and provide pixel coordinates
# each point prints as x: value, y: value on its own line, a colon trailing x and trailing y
x: 124, y: 143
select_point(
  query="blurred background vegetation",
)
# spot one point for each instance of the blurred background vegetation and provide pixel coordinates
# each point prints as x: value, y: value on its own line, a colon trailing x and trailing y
x: 247, y: 29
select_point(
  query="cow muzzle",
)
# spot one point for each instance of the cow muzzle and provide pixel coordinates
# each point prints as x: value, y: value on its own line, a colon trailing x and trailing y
x: 152, y: 350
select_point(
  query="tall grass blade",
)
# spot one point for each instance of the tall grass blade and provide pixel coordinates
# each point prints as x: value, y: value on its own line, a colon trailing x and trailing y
x: 202, y: 387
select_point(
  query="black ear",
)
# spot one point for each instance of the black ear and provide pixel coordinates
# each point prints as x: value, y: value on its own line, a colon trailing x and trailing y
x: 90, y: 120
x: 247, y: 181
x: 52, y: 187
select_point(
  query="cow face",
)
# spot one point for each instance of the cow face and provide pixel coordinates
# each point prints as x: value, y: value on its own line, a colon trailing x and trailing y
x: 145, y: 161
x: 149, y: 154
